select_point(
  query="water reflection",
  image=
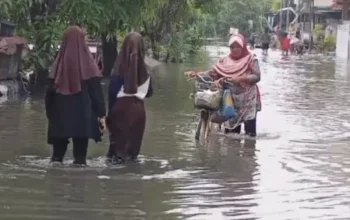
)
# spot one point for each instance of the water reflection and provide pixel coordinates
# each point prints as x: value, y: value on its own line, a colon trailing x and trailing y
x: 224, y: 189
x: 297, y: 168
x: 3, y: 99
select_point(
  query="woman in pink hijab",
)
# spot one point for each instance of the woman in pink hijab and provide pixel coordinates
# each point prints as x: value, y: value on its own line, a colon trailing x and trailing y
x: 241, y: 69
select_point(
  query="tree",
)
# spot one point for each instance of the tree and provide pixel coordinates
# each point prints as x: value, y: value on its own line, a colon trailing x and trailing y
x: 275, y: 5
x: 172, y: 27
x: 236, y: 13
x: 43, y: 21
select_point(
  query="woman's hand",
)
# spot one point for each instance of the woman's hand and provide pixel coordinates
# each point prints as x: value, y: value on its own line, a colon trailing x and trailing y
x: 217, y: 83
x: 190, y: 74
x: 102, y: 124
x: 235, y: 79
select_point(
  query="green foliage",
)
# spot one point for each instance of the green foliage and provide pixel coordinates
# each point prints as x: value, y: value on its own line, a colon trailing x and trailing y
x: 20, y: 10
x: 324, y: 44
x: 275, y: 5
x: 43, y: 24
x: 41, y: 30
x: 319, y: 33
x: 173, y: 27
x: 46, y: 41
x: 235, y: 13
x: 329, y: 43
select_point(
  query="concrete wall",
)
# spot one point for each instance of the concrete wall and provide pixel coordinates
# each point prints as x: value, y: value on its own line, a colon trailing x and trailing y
x: 318, y: 3
x: 323, y: 3
x: 343, y: 37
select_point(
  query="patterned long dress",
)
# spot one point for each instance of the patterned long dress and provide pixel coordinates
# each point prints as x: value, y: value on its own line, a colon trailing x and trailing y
x: 246, y: 97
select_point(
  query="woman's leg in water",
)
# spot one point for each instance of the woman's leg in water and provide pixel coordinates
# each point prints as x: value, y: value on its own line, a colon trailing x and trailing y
x: 59, y: 149
x: 111, y: 156
x: 80, y: 146
x: 237, y: 130
x: 250, y: 127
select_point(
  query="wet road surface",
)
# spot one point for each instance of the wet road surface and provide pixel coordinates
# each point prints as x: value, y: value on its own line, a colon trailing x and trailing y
x: 298, y: 168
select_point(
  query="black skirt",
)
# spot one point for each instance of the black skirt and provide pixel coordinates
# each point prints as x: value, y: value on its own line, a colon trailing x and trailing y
x: 265, y: 46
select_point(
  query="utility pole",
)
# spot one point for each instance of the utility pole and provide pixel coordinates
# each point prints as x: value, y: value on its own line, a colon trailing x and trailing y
x: 280, y: 23
x: 345, y: 10
x: 287, y: 20
x: 312, y: 23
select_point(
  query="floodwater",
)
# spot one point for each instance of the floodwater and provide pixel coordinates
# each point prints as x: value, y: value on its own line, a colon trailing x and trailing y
x: 297, y: 168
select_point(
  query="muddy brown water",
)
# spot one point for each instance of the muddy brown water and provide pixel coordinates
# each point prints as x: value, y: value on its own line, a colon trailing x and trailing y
x: 297, y: 168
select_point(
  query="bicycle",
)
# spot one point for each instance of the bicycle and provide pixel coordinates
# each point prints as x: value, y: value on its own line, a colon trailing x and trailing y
x: 204, y: 82
x: 205, y: 124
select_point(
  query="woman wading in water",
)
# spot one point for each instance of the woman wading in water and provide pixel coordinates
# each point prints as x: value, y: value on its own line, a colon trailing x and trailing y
x: 130, y: 85
x: 74, y: 101
x: 241, y: 69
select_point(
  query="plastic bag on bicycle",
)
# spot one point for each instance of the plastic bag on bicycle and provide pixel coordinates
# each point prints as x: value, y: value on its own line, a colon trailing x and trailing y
x: 208, y: 99
x: 226, y: 111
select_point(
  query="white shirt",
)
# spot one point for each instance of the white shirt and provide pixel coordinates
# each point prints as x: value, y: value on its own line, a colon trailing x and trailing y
x: 141, y: 93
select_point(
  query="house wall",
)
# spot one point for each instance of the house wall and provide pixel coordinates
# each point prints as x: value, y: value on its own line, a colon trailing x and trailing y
x: 323, y: 3
x: 318, y: 3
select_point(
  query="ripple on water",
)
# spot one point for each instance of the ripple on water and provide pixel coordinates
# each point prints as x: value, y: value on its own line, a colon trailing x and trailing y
x: 153, y: 168
x: 297, y: 168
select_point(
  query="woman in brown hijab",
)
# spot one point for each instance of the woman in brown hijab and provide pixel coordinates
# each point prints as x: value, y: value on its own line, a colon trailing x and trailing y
x: 130, y: 85
x: 74, y: 102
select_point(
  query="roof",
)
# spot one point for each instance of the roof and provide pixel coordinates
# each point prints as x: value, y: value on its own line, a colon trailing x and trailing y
x: 337, y: 5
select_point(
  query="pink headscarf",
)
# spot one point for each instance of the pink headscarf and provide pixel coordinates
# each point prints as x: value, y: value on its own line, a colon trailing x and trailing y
x: 233, y: 65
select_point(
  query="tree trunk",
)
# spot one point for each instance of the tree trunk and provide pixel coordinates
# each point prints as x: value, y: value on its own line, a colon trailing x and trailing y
x: 109, y: 53
x: 167, y: 57
x: 156, y: 55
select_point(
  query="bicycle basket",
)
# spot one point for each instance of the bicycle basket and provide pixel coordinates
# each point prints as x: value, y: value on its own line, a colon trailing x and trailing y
x: 208, y: 99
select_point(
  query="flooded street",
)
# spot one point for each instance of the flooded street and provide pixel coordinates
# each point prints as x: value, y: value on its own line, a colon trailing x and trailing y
x: 298, y: 168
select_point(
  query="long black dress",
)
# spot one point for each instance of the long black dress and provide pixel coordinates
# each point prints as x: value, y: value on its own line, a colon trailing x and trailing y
x: 75, y: 116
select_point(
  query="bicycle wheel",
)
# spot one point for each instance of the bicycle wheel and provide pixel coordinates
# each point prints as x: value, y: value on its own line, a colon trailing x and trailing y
x: 207, y: 128
x: 206, y: 123
x: 198, y: 129
x: 203, y: 127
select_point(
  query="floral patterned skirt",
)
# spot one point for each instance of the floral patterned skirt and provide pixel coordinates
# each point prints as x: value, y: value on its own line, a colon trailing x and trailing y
x: 247, y: 104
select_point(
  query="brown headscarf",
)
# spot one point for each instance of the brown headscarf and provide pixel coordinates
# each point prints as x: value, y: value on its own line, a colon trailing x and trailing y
x: 73, y: 63
x: 130, y: 64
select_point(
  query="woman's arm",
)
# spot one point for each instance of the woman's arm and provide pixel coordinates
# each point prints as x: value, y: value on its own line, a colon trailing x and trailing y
x: 115, y: 85
x: 150, y: 88
x: 254, y: 77
x: 214, y: 75
x: 49, y: 98
x: 96, y: 96
x: 211, y: 73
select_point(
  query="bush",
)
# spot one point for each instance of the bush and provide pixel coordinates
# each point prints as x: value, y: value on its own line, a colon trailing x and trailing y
x: 329, y: 43
x: 324, y: 43
x: 319, y: 33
